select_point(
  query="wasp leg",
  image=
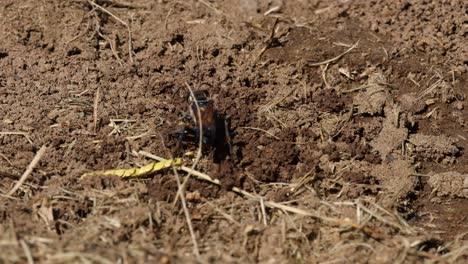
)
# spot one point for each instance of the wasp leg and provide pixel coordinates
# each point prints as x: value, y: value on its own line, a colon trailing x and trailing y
x: 182, y: 136
x: 185, y: 117
x: 227, y: 120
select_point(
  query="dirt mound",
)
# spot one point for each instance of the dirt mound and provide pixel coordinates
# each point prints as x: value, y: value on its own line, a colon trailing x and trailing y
x: 449, y: 183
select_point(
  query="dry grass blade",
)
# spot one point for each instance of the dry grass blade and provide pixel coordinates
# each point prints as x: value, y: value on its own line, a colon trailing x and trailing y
x: 335, y: 58
x: 167, y: 18
x: 136, y: 172
x: 227, y: 217
x: 184, y: 168
x: 28, y: 171
x: 264, y: 215
x: 95, y: 109
x: 6, y: 159
x: 430, y: 89
x: 272, y: 10
x: 382, y: 219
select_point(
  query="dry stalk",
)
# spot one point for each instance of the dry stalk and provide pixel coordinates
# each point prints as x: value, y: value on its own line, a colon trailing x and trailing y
x: 112, y: 47
x: 139, y: 136
x: 167, y: 19
x: 24, y: 134
x: 272, y: 10
x: 85, y: 31
x: 324, y: 75
x: 264, y: 215
x: 262, y: 130
x: 430, y: 89
x: 180, y: 186
x: 217, y: 11
x: 27, y: 251
x: 228, y: 217
x: 28, y: 171
x: 6, y: 159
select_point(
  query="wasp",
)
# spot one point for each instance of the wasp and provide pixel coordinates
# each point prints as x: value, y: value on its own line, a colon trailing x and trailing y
x: 207, y: 123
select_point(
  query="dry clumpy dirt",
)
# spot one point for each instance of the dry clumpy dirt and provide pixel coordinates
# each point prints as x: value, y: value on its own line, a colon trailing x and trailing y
x: 353, y: 111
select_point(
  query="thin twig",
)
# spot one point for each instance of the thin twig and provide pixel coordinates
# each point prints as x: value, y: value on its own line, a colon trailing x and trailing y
x: 269, y: 40
x: 167, y: 18
x: 180, y: 186
x: 272, y: 10
x: 9, y: 197
x: 264, y: 215
x: 180, y: 191
x: 95, y: 109
x: 24, y: 134
x: 28, y: 170
x: 430, y: 89
x: 335, y: 58
x: 111, y: 44
x: 200, y: 127
x: 217, y: 11
x: 139, y: 136
x: 130, y: 49
x: 27, y: 252
x: 7, y: 160
x: 324, y: 75
x: 381, y: 218
x: 184, y: 168
x: 262, y: 130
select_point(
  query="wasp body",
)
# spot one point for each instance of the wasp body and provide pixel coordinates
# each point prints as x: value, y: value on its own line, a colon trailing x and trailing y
x: 213, y: 129
x: 200, y: 104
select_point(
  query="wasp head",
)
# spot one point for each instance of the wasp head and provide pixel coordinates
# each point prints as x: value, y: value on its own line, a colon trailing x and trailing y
x: 200, y: 96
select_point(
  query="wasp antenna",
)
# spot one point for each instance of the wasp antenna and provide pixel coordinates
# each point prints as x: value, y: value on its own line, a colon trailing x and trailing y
x: 206, y: 84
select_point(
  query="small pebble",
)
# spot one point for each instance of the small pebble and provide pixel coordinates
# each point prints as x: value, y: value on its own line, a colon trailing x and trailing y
x: 458, y: 105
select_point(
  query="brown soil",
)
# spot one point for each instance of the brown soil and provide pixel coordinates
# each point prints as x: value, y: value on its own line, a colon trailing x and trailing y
x: 354, y: 111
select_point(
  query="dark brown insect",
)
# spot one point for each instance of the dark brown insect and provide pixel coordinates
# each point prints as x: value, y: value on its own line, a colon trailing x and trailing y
x: 208, y: 117
x: 214, y: 131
